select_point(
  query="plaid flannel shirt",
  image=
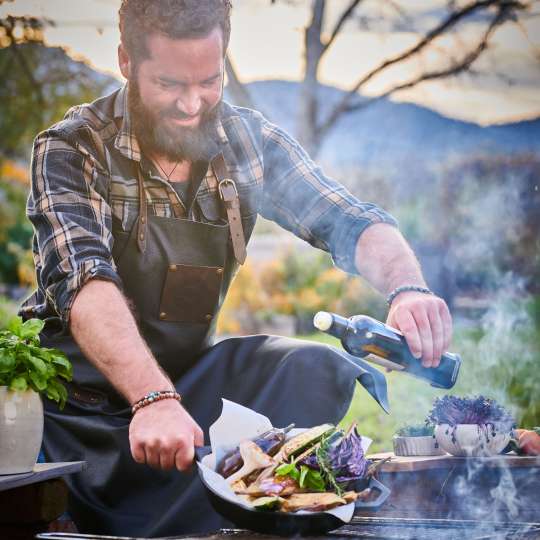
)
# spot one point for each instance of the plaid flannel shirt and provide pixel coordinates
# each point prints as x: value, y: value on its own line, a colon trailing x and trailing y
x: 84, y: 178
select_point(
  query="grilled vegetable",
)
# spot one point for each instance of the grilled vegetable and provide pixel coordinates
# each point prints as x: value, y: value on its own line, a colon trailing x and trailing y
x: 268, y: 504
x: 273, y: 486
x: 269, y: 442
x: 254, y: 459
x: 312, y: 501
x: 297, y: 444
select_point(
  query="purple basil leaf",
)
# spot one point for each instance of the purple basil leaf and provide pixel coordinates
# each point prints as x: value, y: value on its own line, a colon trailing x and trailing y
x: 347, y: 459
x: 454, y: 410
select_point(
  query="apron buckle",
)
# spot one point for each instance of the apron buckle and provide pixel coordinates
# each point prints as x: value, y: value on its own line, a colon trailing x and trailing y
x: 227, y: 190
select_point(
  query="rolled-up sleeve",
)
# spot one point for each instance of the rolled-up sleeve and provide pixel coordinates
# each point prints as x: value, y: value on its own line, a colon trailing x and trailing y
x: 302, y: 199
x: 71, y: 218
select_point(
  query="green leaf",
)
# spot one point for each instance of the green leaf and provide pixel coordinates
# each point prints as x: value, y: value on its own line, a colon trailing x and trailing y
x: 37, y: 363
x: 32, y: 328
x: 15, y: 326
x: 313, y: 480
x: 63, y: 366
x: 40, y: 382
x: 57, y: 392
x: 18, y: 384
x: 52, y: 393
x: 288, y: 469
x: 7, y: 360
x: 23, y: 362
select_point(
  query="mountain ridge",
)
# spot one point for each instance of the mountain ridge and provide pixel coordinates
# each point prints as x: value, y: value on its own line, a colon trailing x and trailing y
x: 386, y: 133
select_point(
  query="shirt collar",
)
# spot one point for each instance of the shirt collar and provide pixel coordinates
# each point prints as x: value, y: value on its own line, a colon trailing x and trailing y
x: 126, y: 141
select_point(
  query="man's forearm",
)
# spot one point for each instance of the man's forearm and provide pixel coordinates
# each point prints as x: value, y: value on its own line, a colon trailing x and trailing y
x: 106, y: 332
x: 385, y: 259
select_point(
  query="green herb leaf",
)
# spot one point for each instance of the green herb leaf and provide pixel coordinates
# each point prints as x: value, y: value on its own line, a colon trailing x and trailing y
x: 311, y: 479
x: 57, y: 392
x: 15, y: 326
x: 39, y: 381
x: 34, y: 362
x: 288, y: 469
x: 303, y: 473
x: 7, y: 360
x: 23, y: 363
x: 31, y: 328
x: 326, y: 471
x: 285, y: 469
x: 18, y: 384
x: 314, y: 481
x: 63, y: 365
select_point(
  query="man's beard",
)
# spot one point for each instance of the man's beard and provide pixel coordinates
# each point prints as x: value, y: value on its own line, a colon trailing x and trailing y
x: 178, y: 143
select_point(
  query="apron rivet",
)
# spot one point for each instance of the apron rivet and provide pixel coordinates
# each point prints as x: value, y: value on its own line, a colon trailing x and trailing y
x: 162, y: 315
x: 143, y: 220
x: 172, y: 267
x: 141, y: 236
x: 208, y: 317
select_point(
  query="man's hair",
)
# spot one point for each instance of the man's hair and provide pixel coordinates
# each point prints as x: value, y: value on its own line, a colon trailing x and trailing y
x: 175, y: 19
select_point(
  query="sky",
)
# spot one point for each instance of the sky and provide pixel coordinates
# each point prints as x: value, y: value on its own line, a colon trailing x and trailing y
x: 267, y: 43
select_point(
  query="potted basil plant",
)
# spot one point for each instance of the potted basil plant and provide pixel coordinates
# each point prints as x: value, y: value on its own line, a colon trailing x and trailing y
x: 27, y: 371
x: 416, y: 440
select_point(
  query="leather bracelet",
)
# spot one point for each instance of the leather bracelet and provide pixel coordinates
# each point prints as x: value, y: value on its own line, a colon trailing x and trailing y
x: 406, y: 288
x: 152, y: 397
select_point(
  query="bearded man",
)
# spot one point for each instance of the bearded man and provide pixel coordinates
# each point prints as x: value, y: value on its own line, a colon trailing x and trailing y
x: 142, y: 204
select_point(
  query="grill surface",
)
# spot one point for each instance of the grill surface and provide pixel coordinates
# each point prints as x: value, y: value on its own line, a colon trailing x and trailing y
x: 373, y: 528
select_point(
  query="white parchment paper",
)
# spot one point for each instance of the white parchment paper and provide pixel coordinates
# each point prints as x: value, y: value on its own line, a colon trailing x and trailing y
x: 236, y: 424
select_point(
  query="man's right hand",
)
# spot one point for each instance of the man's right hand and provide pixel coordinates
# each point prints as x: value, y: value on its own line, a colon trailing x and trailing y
x: 163, y: 435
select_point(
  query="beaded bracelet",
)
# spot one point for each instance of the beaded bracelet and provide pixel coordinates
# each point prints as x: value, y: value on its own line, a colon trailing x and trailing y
x: 406, y: 288
x: 151, y: 397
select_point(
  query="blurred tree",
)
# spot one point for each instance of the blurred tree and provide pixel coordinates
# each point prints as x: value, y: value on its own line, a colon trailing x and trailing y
x: 39, y: 83
x: 316, y: 119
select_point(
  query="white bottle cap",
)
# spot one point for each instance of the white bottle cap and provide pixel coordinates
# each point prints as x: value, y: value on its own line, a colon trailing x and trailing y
x: 323, y: 321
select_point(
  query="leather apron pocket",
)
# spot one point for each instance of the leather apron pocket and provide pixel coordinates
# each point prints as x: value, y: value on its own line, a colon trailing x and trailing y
x: 191, y: 293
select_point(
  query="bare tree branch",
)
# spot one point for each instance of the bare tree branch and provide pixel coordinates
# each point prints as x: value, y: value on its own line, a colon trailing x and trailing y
x: 342, y: 20
x: 457, y: 67
x: 504, y: 9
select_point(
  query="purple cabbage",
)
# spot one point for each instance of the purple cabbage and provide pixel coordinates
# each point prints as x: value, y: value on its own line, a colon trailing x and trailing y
x: 480, y: 410
x: 345, y: 458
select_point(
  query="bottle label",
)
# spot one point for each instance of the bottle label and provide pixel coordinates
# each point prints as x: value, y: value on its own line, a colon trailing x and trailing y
x: 375, y: 349
x: 383, y: 362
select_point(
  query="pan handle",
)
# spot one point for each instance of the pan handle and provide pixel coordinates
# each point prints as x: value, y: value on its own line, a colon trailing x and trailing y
x: 78, y: 536
x: 201, y: 452
x: 384, y: 493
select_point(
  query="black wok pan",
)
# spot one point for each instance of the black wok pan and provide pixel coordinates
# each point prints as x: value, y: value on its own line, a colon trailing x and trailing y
x: 281, y: 523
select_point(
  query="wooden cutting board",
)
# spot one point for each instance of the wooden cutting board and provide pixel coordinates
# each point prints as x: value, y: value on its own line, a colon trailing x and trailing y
x: 423, y: 463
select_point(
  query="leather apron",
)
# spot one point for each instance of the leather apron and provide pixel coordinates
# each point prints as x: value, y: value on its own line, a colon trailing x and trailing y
x: 175, y: 279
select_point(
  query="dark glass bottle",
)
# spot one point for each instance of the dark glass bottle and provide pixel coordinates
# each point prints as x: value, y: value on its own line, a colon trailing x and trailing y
x: 361, y: 335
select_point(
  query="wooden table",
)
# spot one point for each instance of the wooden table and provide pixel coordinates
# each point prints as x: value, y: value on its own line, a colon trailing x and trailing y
x: 498, y: 488
x: 30, y: 501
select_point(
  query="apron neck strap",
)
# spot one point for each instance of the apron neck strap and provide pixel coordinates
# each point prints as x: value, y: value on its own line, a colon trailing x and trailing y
x: 229, y: 195
x: 143, y: 213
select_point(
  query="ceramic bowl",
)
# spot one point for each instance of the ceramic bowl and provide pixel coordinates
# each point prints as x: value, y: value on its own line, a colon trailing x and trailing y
x: 416, y: 446
x: 470, y: 440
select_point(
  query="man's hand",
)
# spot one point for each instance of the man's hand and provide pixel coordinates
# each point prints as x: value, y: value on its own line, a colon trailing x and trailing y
x: 163, y: 435
x: 425, y: 322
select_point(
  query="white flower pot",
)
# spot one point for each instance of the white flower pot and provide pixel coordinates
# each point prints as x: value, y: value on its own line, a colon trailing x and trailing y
x: 416, y: 446
x: 21, y: 430
x: 472, y: 439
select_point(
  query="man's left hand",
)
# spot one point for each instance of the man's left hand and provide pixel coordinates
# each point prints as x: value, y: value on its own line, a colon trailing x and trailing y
x: 425, y: 322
